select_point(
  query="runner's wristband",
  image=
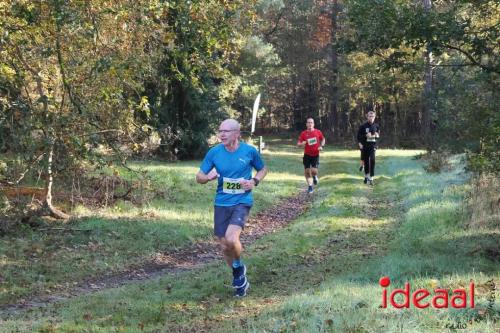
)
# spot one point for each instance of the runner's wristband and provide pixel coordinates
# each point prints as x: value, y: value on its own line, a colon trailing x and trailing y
x: 256, y: 181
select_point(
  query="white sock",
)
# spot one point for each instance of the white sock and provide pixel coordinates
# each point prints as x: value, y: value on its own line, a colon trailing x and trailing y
x: 367, y: 175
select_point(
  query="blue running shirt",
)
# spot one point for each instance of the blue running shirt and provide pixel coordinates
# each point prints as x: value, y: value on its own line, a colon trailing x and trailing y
x: 231, y: 167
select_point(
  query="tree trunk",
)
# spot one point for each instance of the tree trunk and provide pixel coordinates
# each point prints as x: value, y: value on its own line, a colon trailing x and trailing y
x: 297, y: 107
x: 54, y: 212
x: 396, y: 133
x: 425, y: 129
x: 333, y: 119
x: 40, y: 89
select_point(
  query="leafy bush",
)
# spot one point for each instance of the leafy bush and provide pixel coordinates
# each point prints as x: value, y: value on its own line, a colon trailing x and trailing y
x: 484, y: 202
x: 437, y: 161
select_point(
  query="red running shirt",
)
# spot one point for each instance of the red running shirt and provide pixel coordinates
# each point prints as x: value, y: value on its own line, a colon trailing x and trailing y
x: 313, y: 141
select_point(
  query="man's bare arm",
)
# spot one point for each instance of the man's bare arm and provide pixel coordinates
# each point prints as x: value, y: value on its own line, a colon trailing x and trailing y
x: 248, y: 185
x: 301, y: 143
x: 261, y: 174
x: 203, y: 178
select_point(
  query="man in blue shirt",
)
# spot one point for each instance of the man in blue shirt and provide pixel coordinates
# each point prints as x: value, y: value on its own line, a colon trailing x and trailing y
x: 231, y: 163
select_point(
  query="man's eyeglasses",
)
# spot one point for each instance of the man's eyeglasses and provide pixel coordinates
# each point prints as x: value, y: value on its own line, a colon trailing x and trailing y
x: 225, y: 131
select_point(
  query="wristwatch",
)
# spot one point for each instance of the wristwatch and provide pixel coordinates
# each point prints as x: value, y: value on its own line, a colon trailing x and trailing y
x: 256, y: 181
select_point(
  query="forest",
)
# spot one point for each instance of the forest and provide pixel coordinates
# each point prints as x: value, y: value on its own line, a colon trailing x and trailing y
x: 107, y: 108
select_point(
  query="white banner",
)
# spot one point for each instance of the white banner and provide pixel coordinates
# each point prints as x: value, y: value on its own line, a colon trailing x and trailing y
x: 254, y: 112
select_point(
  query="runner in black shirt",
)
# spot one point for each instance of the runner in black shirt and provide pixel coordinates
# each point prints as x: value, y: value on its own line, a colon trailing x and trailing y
x: 368, y: 135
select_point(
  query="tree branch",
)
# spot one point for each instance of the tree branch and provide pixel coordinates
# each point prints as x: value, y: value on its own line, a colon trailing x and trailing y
x: 273, y: 30
x: 471, y: 58
x: 36, y: 160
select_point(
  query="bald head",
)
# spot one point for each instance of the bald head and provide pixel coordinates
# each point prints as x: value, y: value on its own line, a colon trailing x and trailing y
x: 229, y: 133
x: 230, y: 124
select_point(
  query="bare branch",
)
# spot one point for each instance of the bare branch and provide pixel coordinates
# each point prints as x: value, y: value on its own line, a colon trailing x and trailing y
x: 472, y: 59
x: 273, y: 30
x: 36, y: 160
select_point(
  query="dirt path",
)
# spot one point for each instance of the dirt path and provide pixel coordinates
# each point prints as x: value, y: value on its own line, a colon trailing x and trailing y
x: 358, y: 240
x: 263, y: 223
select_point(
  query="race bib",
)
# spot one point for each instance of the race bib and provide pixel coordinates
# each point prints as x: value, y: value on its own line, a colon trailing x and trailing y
x: 232, y: 186
x: 372, y: 139
x: 312, y: 141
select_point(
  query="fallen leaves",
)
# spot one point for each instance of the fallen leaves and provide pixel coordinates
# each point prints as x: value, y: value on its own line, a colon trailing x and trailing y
x: 200, y: 253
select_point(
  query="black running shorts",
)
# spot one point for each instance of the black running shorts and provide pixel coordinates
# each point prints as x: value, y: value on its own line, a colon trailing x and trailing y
x: 310, y: 161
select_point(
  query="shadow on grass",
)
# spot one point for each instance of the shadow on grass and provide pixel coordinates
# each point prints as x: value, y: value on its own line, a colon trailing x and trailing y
x: 307, y: 258
x: 318, y: 249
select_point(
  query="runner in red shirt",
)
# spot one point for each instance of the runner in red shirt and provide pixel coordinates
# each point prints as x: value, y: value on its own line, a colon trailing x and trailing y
x: 313, y: 141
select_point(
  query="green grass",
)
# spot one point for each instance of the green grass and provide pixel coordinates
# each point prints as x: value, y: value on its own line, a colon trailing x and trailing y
x: 122, y: 235
x: 319, y: 274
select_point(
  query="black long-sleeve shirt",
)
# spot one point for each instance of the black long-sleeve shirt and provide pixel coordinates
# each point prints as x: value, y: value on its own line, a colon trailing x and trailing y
x: 363, y: 130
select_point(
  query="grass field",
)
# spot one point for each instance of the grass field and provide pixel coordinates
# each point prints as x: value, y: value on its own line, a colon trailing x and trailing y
x: 319, y: 274
x: 107, y: 240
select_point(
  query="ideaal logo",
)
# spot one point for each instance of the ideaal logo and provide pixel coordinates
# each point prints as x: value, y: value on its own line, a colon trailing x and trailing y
x: 438, y: 299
